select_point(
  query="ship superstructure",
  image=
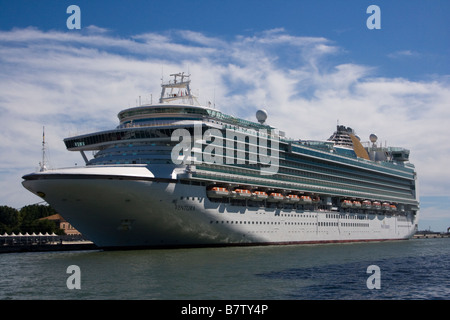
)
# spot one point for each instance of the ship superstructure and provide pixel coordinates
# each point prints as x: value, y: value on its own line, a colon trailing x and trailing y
x: 177, y: 173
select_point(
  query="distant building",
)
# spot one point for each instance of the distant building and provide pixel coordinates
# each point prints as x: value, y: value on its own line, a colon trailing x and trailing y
x: 62, y: 223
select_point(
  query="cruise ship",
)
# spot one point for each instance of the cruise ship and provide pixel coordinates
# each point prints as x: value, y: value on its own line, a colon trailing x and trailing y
x: 180, y: 174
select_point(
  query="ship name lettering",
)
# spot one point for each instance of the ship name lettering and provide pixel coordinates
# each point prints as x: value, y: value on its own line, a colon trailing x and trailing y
x: 184, y: 208
x: 79, y: 143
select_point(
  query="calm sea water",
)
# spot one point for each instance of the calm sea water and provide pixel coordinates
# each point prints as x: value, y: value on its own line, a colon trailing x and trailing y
x: 414, y: 269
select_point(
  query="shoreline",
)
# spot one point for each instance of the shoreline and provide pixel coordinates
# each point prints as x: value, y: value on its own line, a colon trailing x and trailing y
x: 88, y: 245
x: 431, y: 235
x: 60, y: 246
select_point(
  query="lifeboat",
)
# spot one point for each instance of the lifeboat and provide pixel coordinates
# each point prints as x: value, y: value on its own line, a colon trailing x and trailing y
x: 366, y: 204
x: 217, y: 192
x: 386, y: 206
x: 346, y: 204
x: 242, y: 193
x: 393, y: 207
x: 305, y: 200
x: 376, y: 205
x: 259, y: 195
x: 356, y: 204
x: 275, y: 197
x: 316, y: 199
x: 292, y: 198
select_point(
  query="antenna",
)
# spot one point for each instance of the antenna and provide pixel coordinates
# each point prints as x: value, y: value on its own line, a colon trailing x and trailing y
x: 42, y: 164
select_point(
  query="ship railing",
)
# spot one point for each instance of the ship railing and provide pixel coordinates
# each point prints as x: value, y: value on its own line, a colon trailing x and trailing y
x: 155, y: 123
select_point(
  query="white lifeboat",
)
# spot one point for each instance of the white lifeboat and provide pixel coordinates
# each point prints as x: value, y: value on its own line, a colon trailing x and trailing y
x: 259, y: 195
x: 292, y: 198
x: 376, y: 205
x: 366, y: 204
x: 305, y: 200
x: 242, y: 193
x: 218, y: 192
x: 386, y: 206
x: 275, y: 197
x: 356, y: 204
x: 346, y: 204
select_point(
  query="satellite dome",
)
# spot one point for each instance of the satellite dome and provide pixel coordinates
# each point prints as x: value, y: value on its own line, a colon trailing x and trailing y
x: 373, y: 138
x: 261, y: 116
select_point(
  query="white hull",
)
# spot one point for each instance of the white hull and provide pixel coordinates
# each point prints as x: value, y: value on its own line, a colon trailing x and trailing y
x: 128, y: 210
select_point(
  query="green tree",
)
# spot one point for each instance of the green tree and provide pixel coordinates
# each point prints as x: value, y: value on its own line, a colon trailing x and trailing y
x: 9, y: 219
x: 30, y: 216
x: 35, y: 211
x: 43, y: 226
x: 27, y: 220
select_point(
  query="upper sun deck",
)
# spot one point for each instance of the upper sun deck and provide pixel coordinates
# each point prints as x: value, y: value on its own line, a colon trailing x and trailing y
x: 146, y: 114
x: 177, y: 103
x: 176, y: 99
x: 177, y: 107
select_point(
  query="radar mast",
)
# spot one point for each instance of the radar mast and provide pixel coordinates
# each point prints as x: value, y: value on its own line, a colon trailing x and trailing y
x: 178, y: 90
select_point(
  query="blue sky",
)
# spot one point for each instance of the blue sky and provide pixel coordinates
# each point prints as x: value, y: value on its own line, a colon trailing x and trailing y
x: 414, y: 33
x: 309, y: 63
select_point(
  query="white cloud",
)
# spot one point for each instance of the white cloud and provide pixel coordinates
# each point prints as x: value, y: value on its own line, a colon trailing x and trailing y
x: 73, y: 82
x: 92, y: 29
x: 403, y: 54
